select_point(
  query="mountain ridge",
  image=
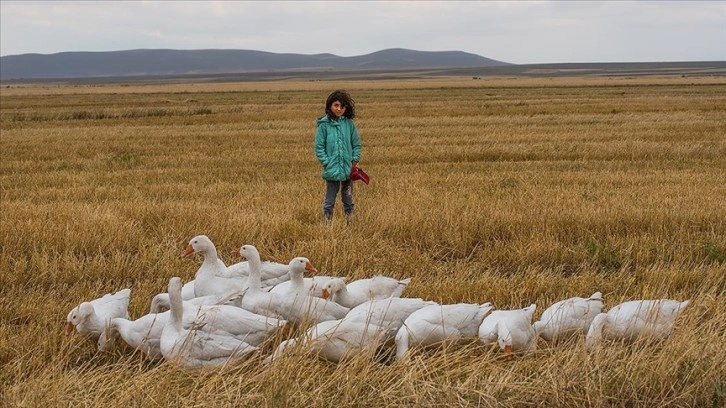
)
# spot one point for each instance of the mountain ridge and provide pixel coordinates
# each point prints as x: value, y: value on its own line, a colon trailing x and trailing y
x: 160, y: 62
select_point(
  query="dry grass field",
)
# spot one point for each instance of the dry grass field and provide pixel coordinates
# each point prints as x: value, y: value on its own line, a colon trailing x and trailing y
x: 508, y: 190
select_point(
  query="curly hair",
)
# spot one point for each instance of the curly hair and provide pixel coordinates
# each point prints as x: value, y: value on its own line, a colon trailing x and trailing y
x: 345, y: 100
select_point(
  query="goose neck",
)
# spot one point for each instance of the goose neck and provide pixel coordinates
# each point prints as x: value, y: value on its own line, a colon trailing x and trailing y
x: 255, y: 279
x: 298, y: 282
x: 176, y: 307
x: 210, y: 258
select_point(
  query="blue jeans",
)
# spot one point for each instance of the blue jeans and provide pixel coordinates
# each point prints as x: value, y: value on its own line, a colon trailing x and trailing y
x: 346, y: 196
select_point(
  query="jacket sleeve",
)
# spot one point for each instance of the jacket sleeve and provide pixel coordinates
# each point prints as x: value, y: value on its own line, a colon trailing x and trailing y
x: 320, y: 146
x: 355, y: 144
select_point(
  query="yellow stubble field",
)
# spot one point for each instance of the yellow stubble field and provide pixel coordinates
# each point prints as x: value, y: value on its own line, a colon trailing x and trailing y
x: 505, y: 190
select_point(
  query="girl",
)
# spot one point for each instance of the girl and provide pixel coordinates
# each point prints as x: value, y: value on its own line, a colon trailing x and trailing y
x: 338, y: 148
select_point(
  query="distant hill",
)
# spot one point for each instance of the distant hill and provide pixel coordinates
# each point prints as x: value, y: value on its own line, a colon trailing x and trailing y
x: 143, y: 62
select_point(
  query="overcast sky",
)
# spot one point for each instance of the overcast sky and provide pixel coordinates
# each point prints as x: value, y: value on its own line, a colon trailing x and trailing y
x: 519, y: 32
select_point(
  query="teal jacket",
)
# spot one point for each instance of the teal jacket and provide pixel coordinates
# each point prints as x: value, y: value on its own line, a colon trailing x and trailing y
x: 337, y: 146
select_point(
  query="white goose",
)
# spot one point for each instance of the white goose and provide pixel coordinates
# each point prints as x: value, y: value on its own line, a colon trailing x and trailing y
x: 308, y: 309
x: 197, y: 348
x: 440, y: 324
x: 91, y: 318
x: 652, y: 319
x: 568, y: 317
x: 271, y: 273
x: 389, y: 313
x: 337, y: 340
x: 257, y: 300
x: 142, y: 334
x: 212, y: 277
x: 511, y: 329
x: 362, y: 290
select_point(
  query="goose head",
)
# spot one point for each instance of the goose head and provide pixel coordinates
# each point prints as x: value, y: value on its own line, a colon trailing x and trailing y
x: 300, y: 265
x: 76, y: 316
x: 504, y: 338
x: 175, y: 286
x: 246, y: 251
x: 596, y: 296
x: 332, y: 287
x: 505, y: 342
x: 200, y: 243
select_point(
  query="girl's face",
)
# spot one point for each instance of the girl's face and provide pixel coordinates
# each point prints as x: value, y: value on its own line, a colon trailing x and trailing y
x: 337, y: 108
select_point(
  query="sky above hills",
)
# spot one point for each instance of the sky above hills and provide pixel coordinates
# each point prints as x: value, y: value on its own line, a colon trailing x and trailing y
x: 519, y: 32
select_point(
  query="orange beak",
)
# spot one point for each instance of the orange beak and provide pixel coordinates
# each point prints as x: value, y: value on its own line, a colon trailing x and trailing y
x: 188, y: 251
x: 326, y: 294
x: 310, y: 268
x: 508, y: 351
x: 69, y: 328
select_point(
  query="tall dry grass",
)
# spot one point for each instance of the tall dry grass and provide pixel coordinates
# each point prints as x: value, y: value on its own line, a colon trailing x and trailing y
x: 507, y: 190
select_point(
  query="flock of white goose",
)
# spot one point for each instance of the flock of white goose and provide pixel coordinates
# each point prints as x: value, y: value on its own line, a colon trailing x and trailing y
x: 227, y: 312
